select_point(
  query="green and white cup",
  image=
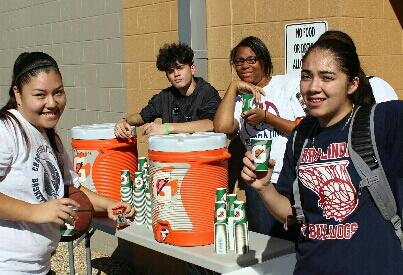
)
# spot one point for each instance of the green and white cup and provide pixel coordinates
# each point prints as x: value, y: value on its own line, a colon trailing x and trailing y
x: 220, y: 212
x: 220, y: 238
x: 220, y: 194
x: 139, y: 198
x: 142, y: 164
x: 230, y: 204
x: 125, y: 186
x: 261, y: 153
x: 68, y: 229
x: 231, y: 198
x: 246, y: 102
x: 240, y: 212
x: 138, y: 181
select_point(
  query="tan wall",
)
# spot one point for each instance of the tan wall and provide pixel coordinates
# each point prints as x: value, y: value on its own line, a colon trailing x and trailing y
x: 85, y: 38
x: 373, y: 24
x: 147, y: 25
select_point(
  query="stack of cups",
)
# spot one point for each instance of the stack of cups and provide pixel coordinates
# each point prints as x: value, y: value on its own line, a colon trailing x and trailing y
x: 220, y: 223
x: 231, y: 198
x: 139, y: 198
x: 241, y: 233
x: 148, y: 202
x: 126, y: 193
x: 261, y: 153
x: 230, y: 224
x: 143, y: 168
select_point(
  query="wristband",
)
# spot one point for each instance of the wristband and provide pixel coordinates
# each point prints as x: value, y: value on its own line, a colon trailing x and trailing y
x: 165, y: 130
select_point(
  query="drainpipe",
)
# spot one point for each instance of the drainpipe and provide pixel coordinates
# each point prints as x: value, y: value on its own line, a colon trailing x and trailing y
x: 192, y: 31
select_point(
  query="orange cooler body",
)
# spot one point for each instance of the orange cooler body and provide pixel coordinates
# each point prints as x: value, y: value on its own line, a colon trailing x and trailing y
x: 185, y: 171
x: 99, y: 158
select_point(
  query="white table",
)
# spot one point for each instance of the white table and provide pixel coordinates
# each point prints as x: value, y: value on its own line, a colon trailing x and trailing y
x: 267, y: 255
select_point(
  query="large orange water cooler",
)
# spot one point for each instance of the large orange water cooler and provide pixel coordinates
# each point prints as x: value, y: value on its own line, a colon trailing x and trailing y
x: 185, y: 170
x: 99, y: 157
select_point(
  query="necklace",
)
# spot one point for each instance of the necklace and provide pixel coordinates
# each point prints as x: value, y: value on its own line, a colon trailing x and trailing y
x: 315, y: 130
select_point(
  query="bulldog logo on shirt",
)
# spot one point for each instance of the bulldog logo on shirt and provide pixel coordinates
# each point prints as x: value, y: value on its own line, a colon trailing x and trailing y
x: 331, y: 182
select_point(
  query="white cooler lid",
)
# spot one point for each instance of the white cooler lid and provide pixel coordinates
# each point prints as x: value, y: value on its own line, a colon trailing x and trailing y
x: 95, y: 131
x: 201, y: 141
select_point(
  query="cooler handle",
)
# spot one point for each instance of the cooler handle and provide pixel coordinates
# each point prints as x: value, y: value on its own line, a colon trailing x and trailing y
x: 117, y: 146
x: 222, y: 156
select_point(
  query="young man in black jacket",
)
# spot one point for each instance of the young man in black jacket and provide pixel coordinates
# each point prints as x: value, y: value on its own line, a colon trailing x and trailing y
x: 187, y: 106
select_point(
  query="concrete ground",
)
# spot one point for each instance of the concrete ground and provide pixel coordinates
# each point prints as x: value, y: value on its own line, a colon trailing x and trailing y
x: 102, y: 247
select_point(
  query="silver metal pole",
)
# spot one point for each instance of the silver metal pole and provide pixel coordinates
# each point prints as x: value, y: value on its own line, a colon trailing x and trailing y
x: 88, y: 253
x: 192, y: 31
x: 71, y: 258
x: 87, y: 240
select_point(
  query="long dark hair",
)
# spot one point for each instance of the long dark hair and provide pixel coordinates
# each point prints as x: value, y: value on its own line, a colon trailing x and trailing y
x: 26, y: 66
x: 347, y: 59
x: 259, y: 48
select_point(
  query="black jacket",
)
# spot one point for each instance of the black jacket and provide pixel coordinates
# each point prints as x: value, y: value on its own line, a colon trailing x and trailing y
x: 172, y: 107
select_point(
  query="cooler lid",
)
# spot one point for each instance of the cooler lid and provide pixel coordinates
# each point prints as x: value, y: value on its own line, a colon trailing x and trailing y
x: 201, y: 141
x: 95, y: 131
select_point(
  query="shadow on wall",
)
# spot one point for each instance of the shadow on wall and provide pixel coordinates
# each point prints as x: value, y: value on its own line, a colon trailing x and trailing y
x: 398, y: 8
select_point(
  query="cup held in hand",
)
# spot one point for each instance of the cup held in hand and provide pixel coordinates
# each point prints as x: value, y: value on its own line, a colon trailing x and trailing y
x: 261, y: 153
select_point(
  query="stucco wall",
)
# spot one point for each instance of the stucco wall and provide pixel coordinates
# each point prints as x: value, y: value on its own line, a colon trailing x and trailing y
x: 85, y: 38
x: 147, y: 25
x: 107, y: 49
x: 375, y: 26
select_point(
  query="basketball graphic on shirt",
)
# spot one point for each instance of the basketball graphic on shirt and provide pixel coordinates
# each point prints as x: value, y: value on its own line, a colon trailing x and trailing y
x: 51, y: 180
x: 51, y: 176
x: 332, y: 183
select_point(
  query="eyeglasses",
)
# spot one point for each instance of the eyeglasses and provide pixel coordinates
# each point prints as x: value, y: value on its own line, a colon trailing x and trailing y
x: 250, y: 60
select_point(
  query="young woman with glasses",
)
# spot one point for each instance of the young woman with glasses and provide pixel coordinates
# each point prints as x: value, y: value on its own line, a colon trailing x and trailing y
x: 273, y: 113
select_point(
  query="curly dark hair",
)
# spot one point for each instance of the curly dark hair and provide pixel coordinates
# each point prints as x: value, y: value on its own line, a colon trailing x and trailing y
x: 171, y: 54
x: 259, y: 48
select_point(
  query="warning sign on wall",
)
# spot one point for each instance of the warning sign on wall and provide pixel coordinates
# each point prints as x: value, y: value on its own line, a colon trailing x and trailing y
x: 298, y: 38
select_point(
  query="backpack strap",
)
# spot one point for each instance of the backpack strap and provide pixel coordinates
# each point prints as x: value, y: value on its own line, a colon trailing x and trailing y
x: 300, y: 139
x: 365, y: 157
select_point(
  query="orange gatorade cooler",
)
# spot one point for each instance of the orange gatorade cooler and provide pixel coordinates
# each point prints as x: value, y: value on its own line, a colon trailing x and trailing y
x: 99, y: 157
x: 185, y: 170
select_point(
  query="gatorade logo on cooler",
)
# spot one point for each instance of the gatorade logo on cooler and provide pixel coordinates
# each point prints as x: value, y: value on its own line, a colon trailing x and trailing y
x: 83, y: 167
x: 163, y: 186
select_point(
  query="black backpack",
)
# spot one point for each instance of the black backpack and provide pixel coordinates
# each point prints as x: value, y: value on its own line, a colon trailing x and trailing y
x: 364, y: 155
